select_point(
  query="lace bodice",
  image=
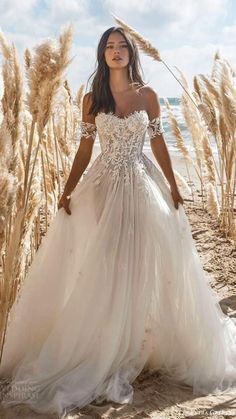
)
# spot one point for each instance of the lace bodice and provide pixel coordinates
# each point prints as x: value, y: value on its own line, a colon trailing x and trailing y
x: 122, y: 139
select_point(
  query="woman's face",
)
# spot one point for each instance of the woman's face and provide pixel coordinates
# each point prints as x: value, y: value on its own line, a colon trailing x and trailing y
x: 116, y: 51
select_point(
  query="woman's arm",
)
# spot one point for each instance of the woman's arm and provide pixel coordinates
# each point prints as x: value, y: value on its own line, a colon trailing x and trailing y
x: 84, y: 153
x: 157, y: 142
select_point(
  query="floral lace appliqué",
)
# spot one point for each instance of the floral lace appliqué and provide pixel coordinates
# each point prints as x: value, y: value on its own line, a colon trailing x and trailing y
x: 88, y: 130
x: 121, y: 141
x: 121, y: 158
x: 155, y: 127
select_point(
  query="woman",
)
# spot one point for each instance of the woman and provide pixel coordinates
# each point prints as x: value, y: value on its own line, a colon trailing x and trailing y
x: 116, y: 285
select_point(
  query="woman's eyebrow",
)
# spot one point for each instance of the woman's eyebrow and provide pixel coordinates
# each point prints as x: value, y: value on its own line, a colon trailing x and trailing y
x: 112, y: 42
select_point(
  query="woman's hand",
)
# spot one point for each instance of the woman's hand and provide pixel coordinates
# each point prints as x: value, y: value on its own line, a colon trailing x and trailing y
x: 64, y: 202
x: 177, y: 198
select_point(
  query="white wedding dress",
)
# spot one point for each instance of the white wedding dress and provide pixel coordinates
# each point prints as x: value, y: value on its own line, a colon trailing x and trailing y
x: 115, y: 287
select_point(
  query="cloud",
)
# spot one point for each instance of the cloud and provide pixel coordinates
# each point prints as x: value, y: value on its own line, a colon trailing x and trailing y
x: 169, y: 14
x: 229, y: 33
x: 8, y: 8
x: 187, y: 35
x: 64, y: 9
x: 171, y: 22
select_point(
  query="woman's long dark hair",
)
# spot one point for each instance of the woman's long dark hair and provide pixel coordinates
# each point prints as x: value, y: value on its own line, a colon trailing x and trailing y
x: 102, y: 99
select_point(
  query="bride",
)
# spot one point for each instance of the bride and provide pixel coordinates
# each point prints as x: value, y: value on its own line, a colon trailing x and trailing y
x: 117, y: 284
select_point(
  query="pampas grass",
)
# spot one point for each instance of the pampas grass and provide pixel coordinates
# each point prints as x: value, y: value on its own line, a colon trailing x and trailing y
x: 10, y: 159
x: 143, y: 43
x: 181, y: 144
x: 209, y: 124
x: 212, y: 201
x: 181, y: 182
x: 30, y: 168
x: 79, y: 97
x: 214, y: 122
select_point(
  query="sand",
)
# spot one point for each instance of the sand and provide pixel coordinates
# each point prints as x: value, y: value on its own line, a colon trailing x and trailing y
x: 155, y: 395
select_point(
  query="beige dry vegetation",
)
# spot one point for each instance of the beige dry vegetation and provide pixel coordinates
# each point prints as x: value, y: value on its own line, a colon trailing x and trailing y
x: 38, y: 141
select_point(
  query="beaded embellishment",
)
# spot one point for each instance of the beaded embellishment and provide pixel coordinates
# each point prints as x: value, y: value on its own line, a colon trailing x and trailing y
x: 155, y: 127
x: 88, y: 130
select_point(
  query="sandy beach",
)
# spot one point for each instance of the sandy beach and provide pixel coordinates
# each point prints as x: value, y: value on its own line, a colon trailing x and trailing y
x: 156, y: 395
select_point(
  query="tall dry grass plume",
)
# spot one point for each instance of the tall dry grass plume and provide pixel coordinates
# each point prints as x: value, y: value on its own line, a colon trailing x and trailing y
x: 35, y: 156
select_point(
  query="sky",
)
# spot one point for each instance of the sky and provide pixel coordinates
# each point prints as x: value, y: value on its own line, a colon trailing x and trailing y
x: 187, y: 33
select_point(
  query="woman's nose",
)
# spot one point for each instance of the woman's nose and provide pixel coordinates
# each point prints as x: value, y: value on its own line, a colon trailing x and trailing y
x: 117, y: 48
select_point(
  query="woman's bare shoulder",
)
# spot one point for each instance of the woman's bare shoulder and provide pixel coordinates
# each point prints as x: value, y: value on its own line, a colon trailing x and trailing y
x: 87, y: 98
x: 151, y: 100
x: 149, y: 92
x: 87, y: 102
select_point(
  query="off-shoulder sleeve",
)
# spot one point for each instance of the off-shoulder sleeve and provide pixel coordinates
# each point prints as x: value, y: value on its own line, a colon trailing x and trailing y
x: 87, y: 130
x: 155, y: 127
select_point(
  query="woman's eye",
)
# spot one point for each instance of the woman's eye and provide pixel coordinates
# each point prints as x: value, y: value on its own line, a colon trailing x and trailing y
x: 111, y: 46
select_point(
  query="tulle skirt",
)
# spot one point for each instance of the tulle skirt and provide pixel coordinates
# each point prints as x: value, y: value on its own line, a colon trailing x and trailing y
x: 115, y: 287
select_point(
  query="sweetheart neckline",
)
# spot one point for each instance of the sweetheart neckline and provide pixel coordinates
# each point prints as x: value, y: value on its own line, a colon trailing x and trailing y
x: 126, y: 116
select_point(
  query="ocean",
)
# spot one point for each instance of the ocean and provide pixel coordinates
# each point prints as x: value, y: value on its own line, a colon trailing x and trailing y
x: 169, y: 136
